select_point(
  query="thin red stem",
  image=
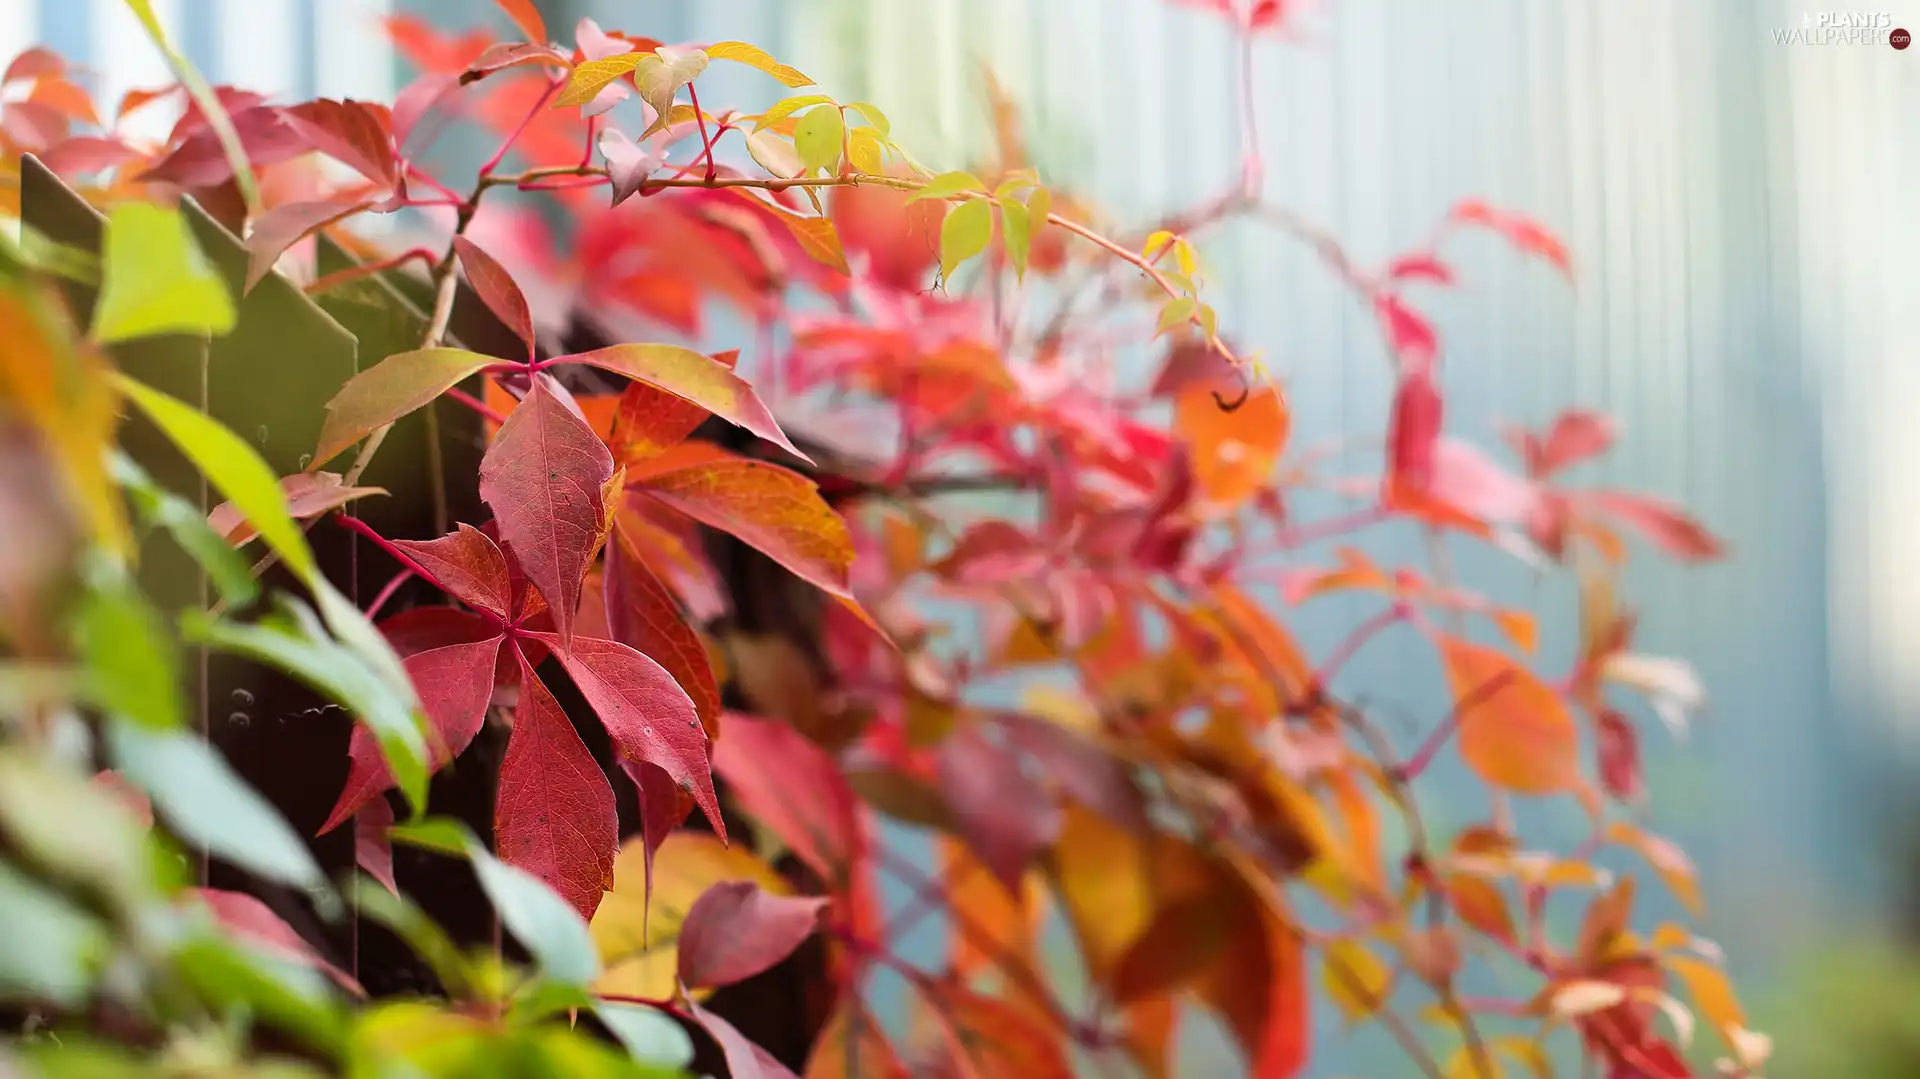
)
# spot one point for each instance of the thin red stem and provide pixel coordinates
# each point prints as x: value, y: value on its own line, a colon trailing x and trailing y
x: 355, y: 524
x: 386, y: 593
x: 1351, y: 645
x: 553, y: 87
x: 474, y: 403
x: 415, y: 172
x: 353, y: 273
x: 706, y: 144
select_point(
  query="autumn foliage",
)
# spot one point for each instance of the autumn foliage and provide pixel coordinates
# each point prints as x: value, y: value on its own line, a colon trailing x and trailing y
x: 1050, y: 603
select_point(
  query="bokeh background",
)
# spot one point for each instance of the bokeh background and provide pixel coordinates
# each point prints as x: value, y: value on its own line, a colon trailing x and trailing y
x: 1744, y: 219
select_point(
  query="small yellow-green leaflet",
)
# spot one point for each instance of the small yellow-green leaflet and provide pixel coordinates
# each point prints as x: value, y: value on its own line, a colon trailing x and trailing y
x: 818, y: 137
x: 661, y: 75
x: 788, y: 107
x: 234, y: 469
x: 947, y: 185
x: 964, y: 234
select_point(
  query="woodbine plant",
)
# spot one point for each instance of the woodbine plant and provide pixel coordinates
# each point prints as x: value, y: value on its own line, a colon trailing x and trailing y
x: 409, y: 673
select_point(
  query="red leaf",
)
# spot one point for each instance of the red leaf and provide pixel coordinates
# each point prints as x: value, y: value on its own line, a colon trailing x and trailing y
x: 745, y: 1060
x: 1421, y: 266
x: 372, y: 847
x: 1618, y: 746
x: 1665, y: 525
x: 1409, y: 334
x: 1523, y: 232
x: 554, y: 814
x: 992, y: 551
x: 642, y: 615
x: 467, y: 566
x: 1005, y: 816
x: 250, y: 919
x: 646, y: 713
x: 32, y: 126
x: 1414, y: 432
x: 454, y: 682
x: 776, y: 510
x: 309, y: 494
x: 421, y: 629
x: 354, y: 133
x: 34, y: 63
x: 663, y: 807
x: 794, y: 788
x: 736, y: 930
x: 700, y: 379
x: 649, y: 420
x: 496, y: 287
x: 527, y: 18
x: 1576, y: 435
x: 65, y: 98
x: 201, y: 161
x: 544, y: 476
x: 508, y: 54
x: 1082, y: 770
x: 86, y: 154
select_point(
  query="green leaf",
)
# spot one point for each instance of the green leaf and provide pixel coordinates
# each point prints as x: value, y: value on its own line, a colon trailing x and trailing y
x: 72, y: 829
x: 207, y: 804
x: 542, y: 921
x: 238, y: 980
x: 294, y: 641
x: 1014, y: 232
x: 49, y: 951
x: 753, y: 56
x: 964, y: 234
x: 441, y: 835
x: 592, y: 76
x: 874, y: 118
x: 75, y: 264
x: 208, y: 102
x: 233, y: 467
x: 1175, y: 313
x: 660, y: 75
x: 132, y: 664
x: 161, y: 508
x: 787, y: 107
x: 389, y: 390
x: 156, y: 279
x: 946, y: 185
x: 539, y: 999
x: 649, y: 1035
x: 818, y: 137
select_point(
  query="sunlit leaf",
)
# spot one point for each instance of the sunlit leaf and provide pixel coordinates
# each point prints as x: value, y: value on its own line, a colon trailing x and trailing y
x: 694, y: 376
x: 818, y: 137
x: 947, y: 185
x: 592, y: 76
x: 233, y: 467
x: 788, y: 107
x: 389, y: 390
x: 775, y: 153
x: 637, y: 933
x: 155, y: 280
x: 965, y: 233
x: 660, y: 74
x: 753, y: 56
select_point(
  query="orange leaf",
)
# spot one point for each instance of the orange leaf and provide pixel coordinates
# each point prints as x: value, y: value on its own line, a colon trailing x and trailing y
x: 1480, y: 904
x: 996, y: 1039
x: 649, y: 420
x: 1233, y: 452
x: 775, y: 510
x: 527, y: 18
x: 853, y: 1047
x: 1515, y: 731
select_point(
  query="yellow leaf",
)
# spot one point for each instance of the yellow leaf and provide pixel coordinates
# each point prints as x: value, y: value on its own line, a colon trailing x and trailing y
x: 1712, y: 993
x: 1584, y: 997
x: 863, y: 150
x: 1356, y: 979
x: 964, y: 234
x: 638, y: 938
x: 753, y: 56
x: 592, y: 76
x: 783, y: 109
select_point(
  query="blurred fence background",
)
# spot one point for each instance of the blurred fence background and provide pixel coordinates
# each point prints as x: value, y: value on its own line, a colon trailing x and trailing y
x: 1746, y: 242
